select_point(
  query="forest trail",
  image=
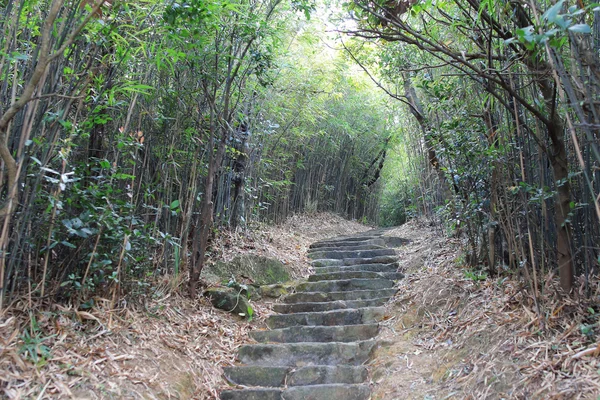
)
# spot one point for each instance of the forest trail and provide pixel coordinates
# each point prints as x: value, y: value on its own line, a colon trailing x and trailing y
x: 326, y: 331
x: 446, y: 333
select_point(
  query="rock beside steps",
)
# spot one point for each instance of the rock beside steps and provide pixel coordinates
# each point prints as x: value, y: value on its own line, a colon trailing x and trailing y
x: 326, y: 331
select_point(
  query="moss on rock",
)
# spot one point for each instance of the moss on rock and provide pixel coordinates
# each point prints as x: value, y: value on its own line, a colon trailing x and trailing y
x: 262, y: 270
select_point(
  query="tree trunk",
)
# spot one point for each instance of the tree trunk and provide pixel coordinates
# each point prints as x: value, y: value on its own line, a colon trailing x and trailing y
x: 202, y: 234
x: 239, y: 178
x: 417, y: 111
x: 560, y: 170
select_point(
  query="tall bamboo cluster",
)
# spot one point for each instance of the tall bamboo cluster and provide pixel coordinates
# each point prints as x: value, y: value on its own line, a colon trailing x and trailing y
x: 504, y: 96
x: 130, y: 131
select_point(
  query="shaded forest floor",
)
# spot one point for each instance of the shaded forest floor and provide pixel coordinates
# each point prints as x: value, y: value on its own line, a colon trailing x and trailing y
x: 450, y: 332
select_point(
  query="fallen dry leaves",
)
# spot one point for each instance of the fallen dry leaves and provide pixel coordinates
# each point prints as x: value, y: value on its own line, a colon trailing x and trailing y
x: 165, y: 346
x: 471, y: 339
x: 451, y: 336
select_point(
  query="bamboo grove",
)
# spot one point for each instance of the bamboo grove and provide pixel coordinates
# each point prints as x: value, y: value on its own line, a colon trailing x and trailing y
x: 133, y: 131
x: 504, y: 98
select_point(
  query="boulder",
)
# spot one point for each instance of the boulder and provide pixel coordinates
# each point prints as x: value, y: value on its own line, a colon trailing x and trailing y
x: 275, y: 291
x: 230, y: 301
x: 260, y: 269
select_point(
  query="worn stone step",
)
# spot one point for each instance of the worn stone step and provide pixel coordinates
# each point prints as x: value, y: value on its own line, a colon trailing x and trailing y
x: 379, y: 267
x: 342, y: 254
x: 356, y: 316
x: 347, y: 243
x: 317, y: 297
x: 314, y: 392
x: 344, y: 284
x: 288, y: 376
x: 328, y: 392
x: 285, y: 308
x: 252, y: 394
x: 305, y: 354
x: 344, y: 239
x: 298, y: 334
x: 336, y: 276
x: 257, y: 375
x: 347, y: 248
x: 331, y: 276
x: 328, y: 374
x: 354, y: 261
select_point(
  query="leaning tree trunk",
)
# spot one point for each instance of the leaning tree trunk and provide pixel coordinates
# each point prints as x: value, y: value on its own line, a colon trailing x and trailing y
x: 416, y: 109
x: 202, y: 235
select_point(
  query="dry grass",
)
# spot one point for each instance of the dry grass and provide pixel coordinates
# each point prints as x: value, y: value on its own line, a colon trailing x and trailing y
x: 167, y: 346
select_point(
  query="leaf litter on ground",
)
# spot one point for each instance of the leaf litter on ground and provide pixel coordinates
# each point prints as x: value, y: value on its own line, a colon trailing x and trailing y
x: 447, y: 335
x: 163, y: 346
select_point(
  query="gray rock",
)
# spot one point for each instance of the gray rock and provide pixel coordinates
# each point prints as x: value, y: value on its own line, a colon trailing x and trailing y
x: 354, y: 261
x: 304, y: 354
x: 309, y: 297
x: 262, y: 270
x: 346, y: 284
x: 286, y: 308
x: 257, y: 375
x: 297, y: 334
x: 230, y: 301
x: 252, y: 394
x: 342, y: 254
x: 328, y: 318
x: 328, y: 392
x: 275, y: 291
x: 334, y: 276
x: 391, y: 267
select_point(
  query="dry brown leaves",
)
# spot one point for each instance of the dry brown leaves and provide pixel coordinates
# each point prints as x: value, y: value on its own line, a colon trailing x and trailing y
x: 485, y: 337
x: 287, y: 242
x: 172, y: 348
x: 168, y: 347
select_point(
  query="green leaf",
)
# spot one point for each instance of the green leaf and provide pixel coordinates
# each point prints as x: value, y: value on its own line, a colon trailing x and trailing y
x: 105, y: 164
x: 551, y: 14
x: 174, y: 205
x: 580, y: 28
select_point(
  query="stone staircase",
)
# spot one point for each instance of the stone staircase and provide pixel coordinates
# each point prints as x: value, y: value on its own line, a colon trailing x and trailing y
x: 326, y: 331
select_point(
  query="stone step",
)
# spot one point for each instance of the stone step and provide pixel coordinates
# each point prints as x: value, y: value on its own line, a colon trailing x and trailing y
x: 305, y: 354
x: 285, y: 308
x: 342, y: 254
x: 336, y: 276
x: 252, y: 394
x: 317, y: 297
x: 346, y: 248
x: 390, y: 267
x: 322, y: 334
x: 344, y: 239
x: 354, y: 261
x: 288, y: 376
x: 346, y: 243
x: 314, y: 392
x: 357, y: 316
x: 331, y: 276
x: 345, y: 284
